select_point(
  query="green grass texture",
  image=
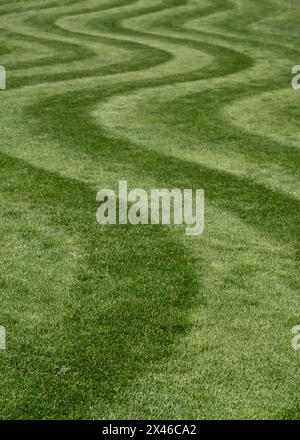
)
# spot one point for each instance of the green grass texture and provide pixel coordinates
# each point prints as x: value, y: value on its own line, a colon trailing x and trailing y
x: 143, y: 322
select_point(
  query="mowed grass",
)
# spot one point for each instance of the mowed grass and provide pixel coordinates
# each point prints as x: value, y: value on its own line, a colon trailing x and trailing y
x: 142, y: 321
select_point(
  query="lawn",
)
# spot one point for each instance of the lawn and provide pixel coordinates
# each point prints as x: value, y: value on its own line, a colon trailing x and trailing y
x: 126, y: 321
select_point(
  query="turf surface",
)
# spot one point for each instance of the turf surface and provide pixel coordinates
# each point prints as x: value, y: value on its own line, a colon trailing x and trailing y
x: 144, y: 322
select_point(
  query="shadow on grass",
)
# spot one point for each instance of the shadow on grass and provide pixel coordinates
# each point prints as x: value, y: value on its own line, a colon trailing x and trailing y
x: 131, y: 300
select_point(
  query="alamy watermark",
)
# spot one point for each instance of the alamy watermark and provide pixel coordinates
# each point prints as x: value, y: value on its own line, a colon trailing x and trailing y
x: 2, y: 338
x: 296, y: 339
x: 296, y: 78
x: 159, y: 206
x: 2, y: 78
